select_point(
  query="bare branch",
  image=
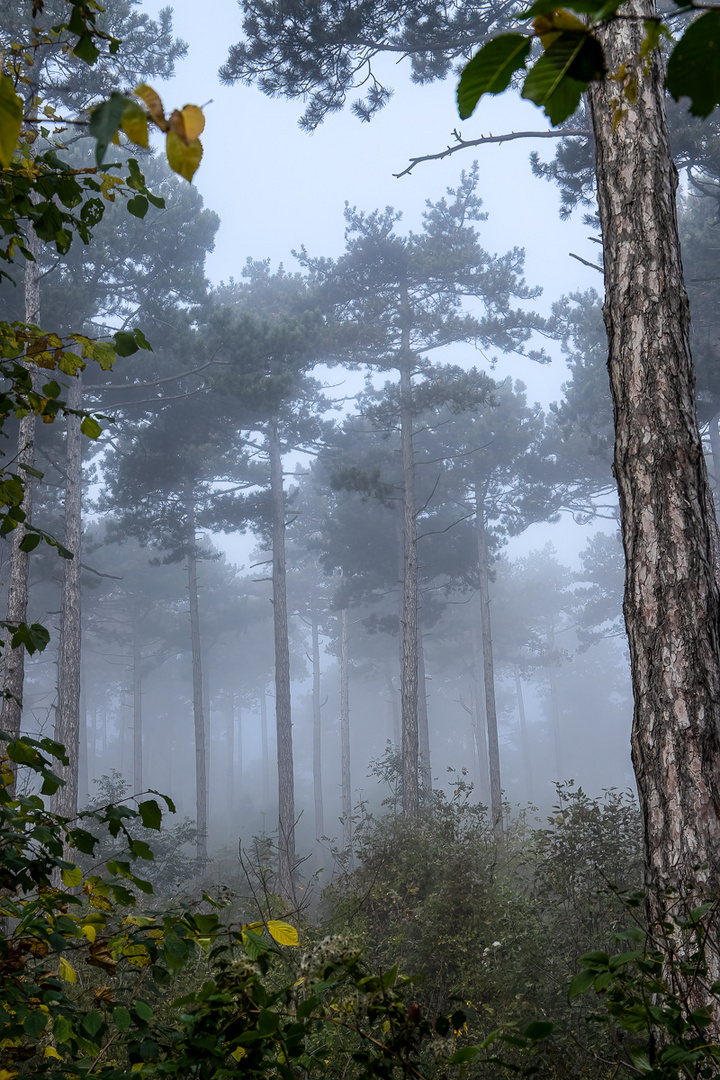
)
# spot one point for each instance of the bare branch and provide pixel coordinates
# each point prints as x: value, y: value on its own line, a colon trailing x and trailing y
x: 466, y: 144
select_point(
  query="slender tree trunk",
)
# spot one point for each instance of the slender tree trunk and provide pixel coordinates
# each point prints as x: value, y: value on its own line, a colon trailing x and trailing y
x: 17, y: 604
x: 554, y: 705
x: 317, y: 731
x: 83, y: 763
x: 423, y: 723
x: 137, y: 708
x: 524, y: 740
x: 231, y: 753
x: 394, y: 711
x: 67, y: 708
x: 409, y: 613
x: 201, y: 789
x: 264, y: 746
x: 345, y: 733
x: 672, y: 606
x: 239, y: 745
x: 496, y: 807
x: 283, y: 708
x: 480, y: 722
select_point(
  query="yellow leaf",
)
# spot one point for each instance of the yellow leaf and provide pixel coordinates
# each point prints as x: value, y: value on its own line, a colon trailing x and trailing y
x: 5, y: 1074
x: 283, y: 932
x: 135, y: 124
x: 153, y: 104
x: 51, y: 1052
x: 239, y: 1053
x: 549, y: 26
x: 11, y: 111
x: 188, y: 123
x: 183, y: 159
x: 89, y: 931
x: 67, y: 971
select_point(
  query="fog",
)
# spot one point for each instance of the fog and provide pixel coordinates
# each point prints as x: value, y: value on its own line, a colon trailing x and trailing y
x: 303, y: 351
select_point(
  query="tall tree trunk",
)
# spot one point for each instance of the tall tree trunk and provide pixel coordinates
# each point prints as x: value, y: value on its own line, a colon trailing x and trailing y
x: 231, y: 754
x: 201, y: 789
x: 714, y: 431
x: 283, y: 707
x: 479, y: 721
x: 423, y: 722
x: 67, y: 708
x: 17, y: 603
x: 137, y: 707
x: 393, y: 702
x: 496, y: 807
x: 264, y: 746
x: 317, y: 731
x: 524, y: 740
x: 84, y: 759
x: 672, y: 606
x: 409, y: 612
x: 345, y: 734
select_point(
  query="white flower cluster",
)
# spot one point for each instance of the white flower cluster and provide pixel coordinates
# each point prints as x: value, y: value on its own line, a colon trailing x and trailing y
x: 243, y: 967
x: 442, y: 1049
x: 333, y: 949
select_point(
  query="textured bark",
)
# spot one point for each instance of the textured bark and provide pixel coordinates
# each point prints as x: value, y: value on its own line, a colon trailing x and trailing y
x: 524, y: 740
x: 84, y: 756
x: 201, y: 788
x: 137, y: 708
x: 67, y: 708
x: 714, y: 431
x: 672, y: 607
x: 496, y: 807
x: 17, y: 604
x: 394, y: 711
x: 317, y: 732
x: 345, y: 733
x: 423, y: 723
x: 283, y: 706
x: 409, y: 615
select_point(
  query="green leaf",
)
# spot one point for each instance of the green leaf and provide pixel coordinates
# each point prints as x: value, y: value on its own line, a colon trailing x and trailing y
x: 267, y: 1022
x: 71, y: 876
x: 121, y: 1018
x: 105, y: 120
x: 34, y: 637
x: 137, y: 206
x: 465, y: 1053
x: 693, y: 69
x: 144, y: 1011
x: 558, y: 79
x: 595, y: 960
x: 92, y: 1022
x: 491, y: 69
x: 11, y: 111
x: 580, y: 983
x: 90, y: 427
x: 142, y: 340
x: 580, y: 7
x: 29, y: 468
x: 29, y: 542
x: 34, y: 1024
x: 150, y: 813
x: 125, y: 344
x: 85, y: 49
x: 539, y: 1029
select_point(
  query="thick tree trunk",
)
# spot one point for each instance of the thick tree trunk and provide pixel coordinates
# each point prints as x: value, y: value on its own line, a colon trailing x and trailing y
x: 283, y: 708
x: 423, y: 723
x: 137, y: 707
x: 17, y: 604
x: 84, y: 758
x: 346, y: 783
x: 67, y: 708
x: 672, y: 606
x: 496, y: 807
x: 714, y: 432
x: 201, y: 788
x: 524, y: 740
x: 409, y: 615
x: 317, y: 731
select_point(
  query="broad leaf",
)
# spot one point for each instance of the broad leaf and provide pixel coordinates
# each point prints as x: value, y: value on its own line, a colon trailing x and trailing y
x: 491, y: 69
x: 183, y: 159
x: 11, y: 111
x: 90, y: 427
x: 150, y: 813
x: 283, y: 932
x: 71, y: 876
x: 580, y: 983
x: 561, y: 75
x: 135, y: 124
x: 105, y: 120
x: 693, y: 69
